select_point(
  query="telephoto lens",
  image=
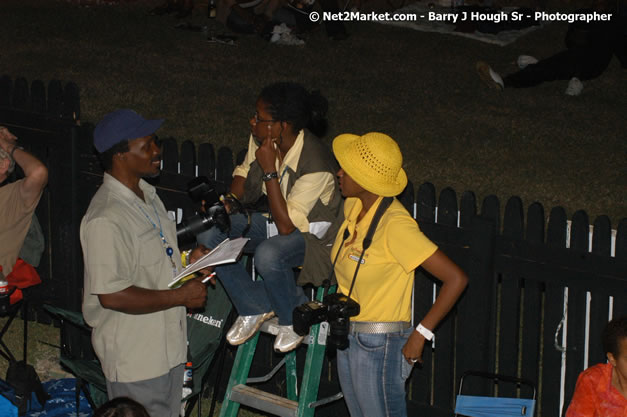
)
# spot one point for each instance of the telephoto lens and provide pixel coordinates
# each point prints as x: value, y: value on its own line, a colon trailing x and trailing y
x: 340, y: 309
x: 190, y: 227
x: 338, y: 333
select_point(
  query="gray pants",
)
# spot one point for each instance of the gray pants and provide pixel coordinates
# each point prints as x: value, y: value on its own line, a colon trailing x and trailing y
x: 160, y: 396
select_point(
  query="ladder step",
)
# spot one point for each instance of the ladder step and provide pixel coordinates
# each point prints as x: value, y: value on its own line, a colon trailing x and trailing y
x: 264, y: 401
x: 270, y: 326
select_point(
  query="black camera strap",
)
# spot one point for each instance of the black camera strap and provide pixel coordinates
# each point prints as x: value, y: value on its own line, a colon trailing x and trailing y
x: 383, y: 206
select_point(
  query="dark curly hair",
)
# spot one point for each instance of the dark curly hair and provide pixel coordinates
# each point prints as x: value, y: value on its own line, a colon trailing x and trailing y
x: 121, y: 407
x: 106, y: 158
x: 291, y: 102
x: 613, y: 333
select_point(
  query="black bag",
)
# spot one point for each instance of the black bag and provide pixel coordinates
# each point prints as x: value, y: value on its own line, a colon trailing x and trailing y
x: 25, y: 381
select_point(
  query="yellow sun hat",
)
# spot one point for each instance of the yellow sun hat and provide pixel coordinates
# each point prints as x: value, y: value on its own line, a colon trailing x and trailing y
x: 374, y: 161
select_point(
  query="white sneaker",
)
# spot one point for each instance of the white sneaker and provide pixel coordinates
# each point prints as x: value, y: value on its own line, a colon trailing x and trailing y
x: 524, y: 60
x: 575, y: 86
x: 287, y: 339
x: 282, y: 35
x: 491, y: 78
x: 245, y: 327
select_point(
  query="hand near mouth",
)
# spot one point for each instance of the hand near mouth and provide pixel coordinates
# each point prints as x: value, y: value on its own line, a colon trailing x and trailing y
x: 267, y: 154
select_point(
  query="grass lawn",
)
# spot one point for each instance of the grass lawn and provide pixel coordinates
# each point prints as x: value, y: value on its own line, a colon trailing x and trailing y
x: 420, y: 88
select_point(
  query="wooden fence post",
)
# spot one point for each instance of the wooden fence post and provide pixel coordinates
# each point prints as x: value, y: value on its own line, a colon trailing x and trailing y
x: 187, y: 159
x: 533, y: 301
x: 553, y: 301
x: 620, y: 300
x: 599, y: 300
x: 509, y: 314
x: 476, y: 310
x: 443, y: 370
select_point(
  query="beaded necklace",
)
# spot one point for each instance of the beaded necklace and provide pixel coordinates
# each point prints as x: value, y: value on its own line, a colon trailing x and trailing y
x: 168, y: 249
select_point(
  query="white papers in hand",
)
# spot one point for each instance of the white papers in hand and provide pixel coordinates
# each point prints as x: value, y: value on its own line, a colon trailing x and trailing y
x: 226, y: 252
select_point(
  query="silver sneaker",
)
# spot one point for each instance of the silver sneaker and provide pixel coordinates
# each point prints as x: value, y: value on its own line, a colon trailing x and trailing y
x: 245, y: 327
x: 287, y: 339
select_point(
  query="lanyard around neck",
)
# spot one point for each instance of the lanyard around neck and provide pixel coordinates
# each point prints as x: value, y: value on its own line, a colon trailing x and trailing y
x: 168, y: 249
x: 385, y: 203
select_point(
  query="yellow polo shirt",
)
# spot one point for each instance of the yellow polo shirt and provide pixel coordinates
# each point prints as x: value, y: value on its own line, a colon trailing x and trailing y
x: 306, y: 190
x: 386, y: 276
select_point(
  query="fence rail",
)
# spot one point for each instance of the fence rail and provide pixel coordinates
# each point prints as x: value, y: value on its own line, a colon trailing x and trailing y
x: 541, y: 287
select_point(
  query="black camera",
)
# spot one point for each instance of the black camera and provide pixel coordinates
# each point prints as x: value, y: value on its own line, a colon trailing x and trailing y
x: 337, y: 310
x: 202, y: 189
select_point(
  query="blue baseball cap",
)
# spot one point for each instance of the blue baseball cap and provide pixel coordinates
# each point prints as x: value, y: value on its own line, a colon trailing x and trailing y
x: 122, y: 124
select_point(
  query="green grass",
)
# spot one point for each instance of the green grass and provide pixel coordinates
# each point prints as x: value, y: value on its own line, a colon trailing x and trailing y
x: 42, y: 348
x: 420, y: 88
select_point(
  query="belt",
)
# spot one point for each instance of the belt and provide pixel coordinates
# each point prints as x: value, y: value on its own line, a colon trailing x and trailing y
x: 378, y: 326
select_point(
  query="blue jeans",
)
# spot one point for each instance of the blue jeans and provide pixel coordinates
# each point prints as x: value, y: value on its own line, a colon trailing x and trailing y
x: 275, y: 259
x: 372, y: 373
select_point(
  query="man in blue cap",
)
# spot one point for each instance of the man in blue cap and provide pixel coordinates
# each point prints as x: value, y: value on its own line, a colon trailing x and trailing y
x: 130, y: 254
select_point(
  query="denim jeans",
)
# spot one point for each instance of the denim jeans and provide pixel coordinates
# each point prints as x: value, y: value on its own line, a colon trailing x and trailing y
x: 372, y: 373
x: 275, y: 259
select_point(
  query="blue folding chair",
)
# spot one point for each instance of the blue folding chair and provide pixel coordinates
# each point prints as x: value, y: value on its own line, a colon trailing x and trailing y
x: 484, y: 406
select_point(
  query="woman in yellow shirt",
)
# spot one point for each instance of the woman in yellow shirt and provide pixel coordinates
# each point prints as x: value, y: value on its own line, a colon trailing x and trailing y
x: 382, y: 345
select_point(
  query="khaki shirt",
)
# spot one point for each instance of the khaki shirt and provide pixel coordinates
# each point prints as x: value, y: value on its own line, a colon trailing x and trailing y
x: 306, y: 190
x: 15, y: 219
x: 122, y: 248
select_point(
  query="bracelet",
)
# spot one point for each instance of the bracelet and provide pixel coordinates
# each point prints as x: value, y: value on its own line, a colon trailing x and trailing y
x: 13, y: 151
x: 426, y: 333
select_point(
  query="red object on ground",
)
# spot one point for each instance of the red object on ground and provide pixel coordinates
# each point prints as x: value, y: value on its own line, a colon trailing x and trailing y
x: 22, y: 276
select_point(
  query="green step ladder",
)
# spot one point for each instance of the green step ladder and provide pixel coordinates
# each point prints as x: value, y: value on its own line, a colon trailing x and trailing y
x: 238, y: 392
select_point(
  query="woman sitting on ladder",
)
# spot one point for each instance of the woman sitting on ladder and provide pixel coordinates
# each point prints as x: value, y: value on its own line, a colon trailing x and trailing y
x: 287, y: 163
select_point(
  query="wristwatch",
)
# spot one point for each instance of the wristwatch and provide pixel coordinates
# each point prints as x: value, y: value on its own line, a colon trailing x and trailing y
x: 14, y: 149
x: 269, y: 175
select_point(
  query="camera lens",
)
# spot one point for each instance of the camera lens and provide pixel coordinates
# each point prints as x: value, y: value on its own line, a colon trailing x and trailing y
x: 338, y: 333
x: 187, y: 230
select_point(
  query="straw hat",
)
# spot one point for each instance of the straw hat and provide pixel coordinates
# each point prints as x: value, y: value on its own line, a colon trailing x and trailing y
x: 373, y: 160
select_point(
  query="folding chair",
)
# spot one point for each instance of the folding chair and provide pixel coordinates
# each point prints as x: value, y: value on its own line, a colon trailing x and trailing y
x: 88, y: 372
x: 205, y: 331
x: 484, y: 406
x: 205, y: 335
